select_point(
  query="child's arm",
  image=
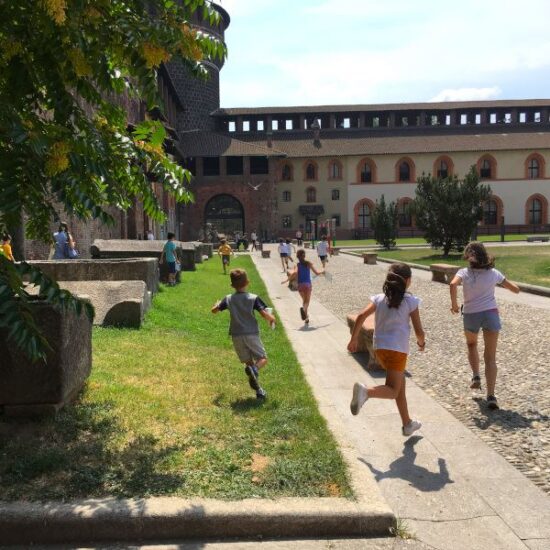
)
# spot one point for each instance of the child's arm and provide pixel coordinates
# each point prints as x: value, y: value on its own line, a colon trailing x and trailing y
x: 315, y: 271
x: 221, y: 305
x: 215, y: 308
x: 453, y: 287
x: 509, y: 285
x: 418, y: 330
x: 369, y: 310
x: 267, y: 316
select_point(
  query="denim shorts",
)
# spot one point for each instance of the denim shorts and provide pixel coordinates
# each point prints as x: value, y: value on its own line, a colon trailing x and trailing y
x: 171, y: 267
x: 486, y: 320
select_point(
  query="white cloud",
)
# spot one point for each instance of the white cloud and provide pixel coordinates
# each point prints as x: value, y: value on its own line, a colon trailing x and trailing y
x: 467, y: 94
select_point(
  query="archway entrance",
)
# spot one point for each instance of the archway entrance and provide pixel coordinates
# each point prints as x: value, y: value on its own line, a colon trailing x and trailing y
x: 225, y: 213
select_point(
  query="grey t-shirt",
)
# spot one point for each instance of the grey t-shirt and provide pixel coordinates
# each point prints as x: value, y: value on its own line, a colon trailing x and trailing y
x: 241, y: 306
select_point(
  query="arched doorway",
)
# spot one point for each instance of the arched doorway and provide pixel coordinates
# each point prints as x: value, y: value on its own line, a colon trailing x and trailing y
x: 225, y: 213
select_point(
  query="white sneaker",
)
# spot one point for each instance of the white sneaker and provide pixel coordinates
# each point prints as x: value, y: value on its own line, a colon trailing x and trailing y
x: 359, y: 398
x: 411, y: 427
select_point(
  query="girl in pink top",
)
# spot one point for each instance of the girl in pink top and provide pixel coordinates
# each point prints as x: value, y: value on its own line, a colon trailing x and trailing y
x: 480, y: 312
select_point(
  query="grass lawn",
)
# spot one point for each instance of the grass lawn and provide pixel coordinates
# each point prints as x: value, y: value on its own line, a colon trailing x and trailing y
x: 168, y: 411
x: 527, y: 264
x: 420, y: 240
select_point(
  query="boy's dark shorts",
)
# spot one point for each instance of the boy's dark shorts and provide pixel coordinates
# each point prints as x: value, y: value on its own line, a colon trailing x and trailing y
x: 171, y: 267
x: 284, y: 255
x: 322, y: 258
x: 226, y: 260
x: 249, y: 348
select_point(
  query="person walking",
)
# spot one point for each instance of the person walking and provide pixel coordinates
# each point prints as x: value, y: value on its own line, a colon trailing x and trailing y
x: 283, y: 254
x: 169, y: 255
x: 243, y: 327
x: 302, y: 273
x: 254, y: 241
x: 323, y: 250
x: 395, y: 309
x: 299, y: 236
x: 480, y: 311
x: 150, y: 235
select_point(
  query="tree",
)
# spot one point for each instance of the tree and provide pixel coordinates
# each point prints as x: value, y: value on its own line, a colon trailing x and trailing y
x: 384, y: 223
x: 448, y: 210
x: 68, y: 68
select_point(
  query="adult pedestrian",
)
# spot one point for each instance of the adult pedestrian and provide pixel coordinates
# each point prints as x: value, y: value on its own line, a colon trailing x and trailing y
x: 299, y: 237
x: 254, y: 240
x: 150, y: 235
x: 65, y: 246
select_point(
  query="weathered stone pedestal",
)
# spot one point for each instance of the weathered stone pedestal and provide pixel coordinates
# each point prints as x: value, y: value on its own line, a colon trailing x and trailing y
x: 370, y: 259
x: 28, y: 389
x: 366, y: 335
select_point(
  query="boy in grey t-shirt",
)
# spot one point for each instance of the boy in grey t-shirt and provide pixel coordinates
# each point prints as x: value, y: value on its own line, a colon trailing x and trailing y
x: 243, y: 327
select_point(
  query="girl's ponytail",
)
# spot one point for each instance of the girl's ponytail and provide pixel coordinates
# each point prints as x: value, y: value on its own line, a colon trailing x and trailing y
x: 395, y: 284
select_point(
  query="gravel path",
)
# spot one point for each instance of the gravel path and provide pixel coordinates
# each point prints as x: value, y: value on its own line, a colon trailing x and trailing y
x: 520, y: 430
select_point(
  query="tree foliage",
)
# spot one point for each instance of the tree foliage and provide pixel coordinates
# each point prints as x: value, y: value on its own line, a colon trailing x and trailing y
x: 448, y: 210
x: 68, y: 71
x: 384, y: 223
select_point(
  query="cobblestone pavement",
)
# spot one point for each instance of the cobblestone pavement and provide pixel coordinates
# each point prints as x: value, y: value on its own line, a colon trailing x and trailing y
x: 520, y: 430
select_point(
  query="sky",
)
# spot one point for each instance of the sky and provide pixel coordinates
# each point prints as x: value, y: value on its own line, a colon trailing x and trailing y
x: 329, y: 52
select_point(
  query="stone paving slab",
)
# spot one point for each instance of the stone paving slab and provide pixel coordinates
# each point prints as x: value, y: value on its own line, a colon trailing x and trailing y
x: 421, y: 478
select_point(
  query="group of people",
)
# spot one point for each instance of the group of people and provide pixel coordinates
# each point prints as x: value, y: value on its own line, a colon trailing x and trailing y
x: 395, y: 310
x: 64, y: 244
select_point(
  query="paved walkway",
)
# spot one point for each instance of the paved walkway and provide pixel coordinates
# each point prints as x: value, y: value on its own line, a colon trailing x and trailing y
x: 452, y: 490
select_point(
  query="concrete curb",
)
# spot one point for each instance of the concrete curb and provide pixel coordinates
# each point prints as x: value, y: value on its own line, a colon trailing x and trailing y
x: 164, y: 518
x: 524, y: 287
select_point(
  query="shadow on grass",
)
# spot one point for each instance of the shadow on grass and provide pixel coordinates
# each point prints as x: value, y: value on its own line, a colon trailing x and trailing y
x: 84, y: 452
x: 418, y: 476
x: 505, y: 418
x: 242, y: 406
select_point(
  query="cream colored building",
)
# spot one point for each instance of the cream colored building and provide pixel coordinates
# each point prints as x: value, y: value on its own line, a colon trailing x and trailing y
x: 337, y: 161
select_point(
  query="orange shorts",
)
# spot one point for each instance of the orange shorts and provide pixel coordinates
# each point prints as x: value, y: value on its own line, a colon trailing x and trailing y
x: 394, y: 360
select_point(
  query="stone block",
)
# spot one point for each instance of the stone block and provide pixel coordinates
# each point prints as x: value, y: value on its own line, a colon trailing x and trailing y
x: 36, y: 388
x: 266, y: 253
x: 116, y: 303
x: 366, y: 342
x: 335, y: 251
x: 443, y: 273
x: 121, y: 269
x: 120, y: 248
x: 370, y: 258
x: 541, y: 238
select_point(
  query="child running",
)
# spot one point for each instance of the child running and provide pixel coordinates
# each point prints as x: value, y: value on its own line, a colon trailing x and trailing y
x: 302, y: 272
x: 323, y: 250
x: 283, y: 254
x: 480, y: 312
x: 225, y: 251
x: 395, y: 308
x: 243, y: 327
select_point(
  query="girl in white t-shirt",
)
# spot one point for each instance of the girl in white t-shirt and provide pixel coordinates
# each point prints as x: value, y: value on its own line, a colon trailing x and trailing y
x: 395, y: 309
x: 480, y: 312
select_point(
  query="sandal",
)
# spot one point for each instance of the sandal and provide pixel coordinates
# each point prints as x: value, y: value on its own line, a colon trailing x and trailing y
x: 476, y: 383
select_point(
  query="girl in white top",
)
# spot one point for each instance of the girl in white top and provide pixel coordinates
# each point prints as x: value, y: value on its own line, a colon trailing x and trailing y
x: 395, y: 309
x: 480, y: 312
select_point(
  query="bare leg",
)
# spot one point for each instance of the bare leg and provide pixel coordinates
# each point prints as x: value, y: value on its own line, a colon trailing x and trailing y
x: 261, y: 363
x: 306, y: 297
x: 392, y: 387
x: 401, y: 402
x: 473, y: 353
x: 490, y: 338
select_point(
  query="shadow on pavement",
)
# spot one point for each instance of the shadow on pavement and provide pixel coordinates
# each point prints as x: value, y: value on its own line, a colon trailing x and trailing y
x: 505, y: 418
x: 418, y: 476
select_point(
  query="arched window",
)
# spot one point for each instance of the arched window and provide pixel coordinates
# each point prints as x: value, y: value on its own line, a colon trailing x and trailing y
x: 443, y: 167
x: 366, y: 171
x: 404, y: 170
x: 404, y: 213
x: 335, y: 170
x: 286, y: 172
x: 487, y: 167
x: 490, y: 212
x: 535, y: 212
x: 311, y: 171
x: 311, y: 194
x: 534, y: 166
x: 364, y: 216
